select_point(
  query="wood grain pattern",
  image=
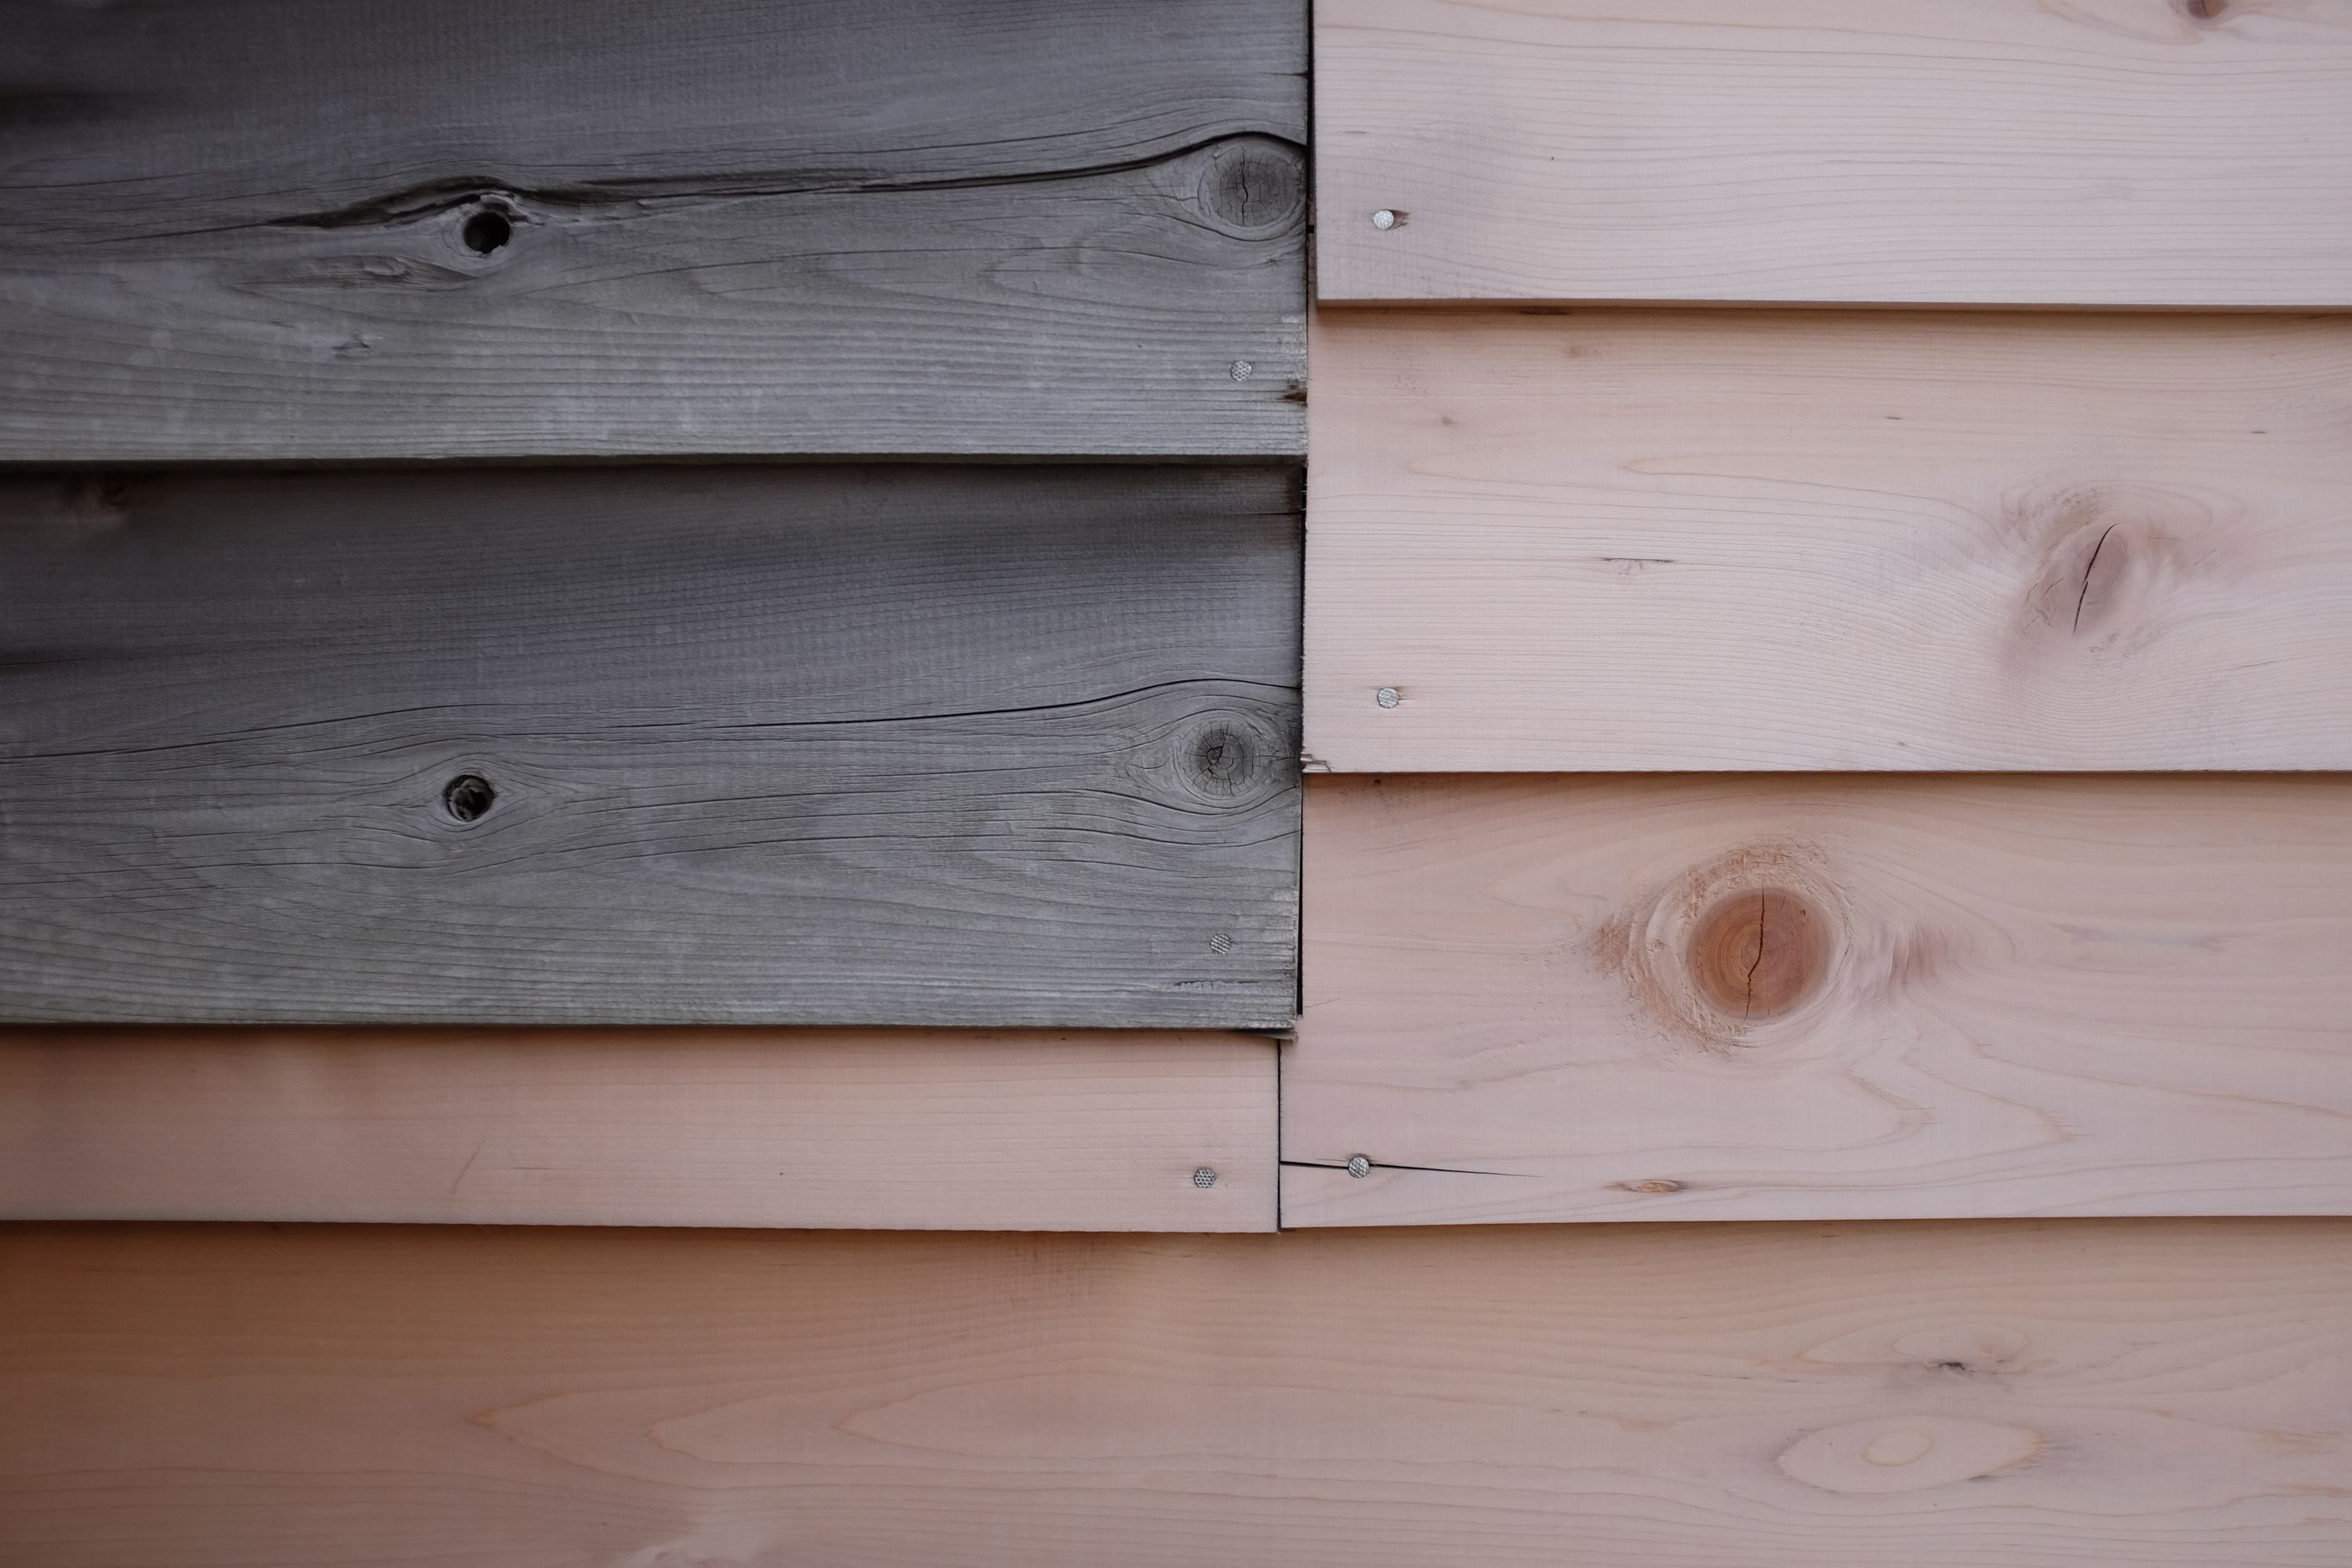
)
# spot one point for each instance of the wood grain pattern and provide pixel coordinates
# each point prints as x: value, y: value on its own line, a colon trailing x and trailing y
x: 875, y: 1129
x: 1951, y: 1395
x: 1599, y: 541
x: 1541, y: 998
x: 2103, y: 152
x: 263, y: 229
x: 928, y: 745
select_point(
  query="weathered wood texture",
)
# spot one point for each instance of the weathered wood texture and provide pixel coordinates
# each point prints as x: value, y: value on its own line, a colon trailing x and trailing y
x: 878, y: 1128
x: 839, y: 225
x: 925, y: 745
x: 2031, y: 1394
x: 1836, y: 998
x: 1600, y: 540
x: 2120, y: 152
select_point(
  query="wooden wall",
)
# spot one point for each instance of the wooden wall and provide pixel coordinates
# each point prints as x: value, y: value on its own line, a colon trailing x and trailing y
x: 1875, y: 775
x: 386, y: 692
x: 1790, y: 762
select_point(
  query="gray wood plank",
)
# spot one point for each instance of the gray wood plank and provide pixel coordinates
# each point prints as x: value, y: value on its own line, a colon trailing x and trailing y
x: 1023, y: 227
x: 930, y: 745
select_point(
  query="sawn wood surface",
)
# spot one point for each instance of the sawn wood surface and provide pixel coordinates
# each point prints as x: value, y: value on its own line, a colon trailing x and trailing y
x: 2155, y: 153
x: 2030, y: 1395
x: 932, y: 744
x: 1641, y: 541
x: 272, y: 229
x: 1539, y: 998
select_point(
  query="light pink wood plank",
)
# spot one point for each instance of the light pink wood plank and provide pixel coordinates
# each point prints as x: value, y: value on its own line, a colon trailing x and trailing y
x: 876, y: 1129
x: 2110, y: 152
x: 1656, y: 541
x: 1581, y: 998
x: 2030, y: 1395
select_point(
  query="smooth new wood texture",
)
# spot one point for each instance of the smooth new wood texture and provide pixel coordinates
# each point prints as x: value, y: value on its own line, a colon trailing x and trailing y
x: 878, y: 1128
x: 1600, y: 540
x: 925, y: 745
x: 2035, y: 1395
x: 2133, y: 153
x: 1689, y: 998
x: 272, y: 229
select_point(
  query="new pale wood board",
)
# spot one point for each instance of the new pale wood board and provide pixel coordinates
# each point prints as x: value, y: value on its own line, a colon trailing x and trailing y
x: 936, y: 744
x: 1685, y: 540
x: 2034, y: 1395
x: 287, y: 229
x: 2102, y: 152
x: 1544, y: 998
x: 879, y: 1130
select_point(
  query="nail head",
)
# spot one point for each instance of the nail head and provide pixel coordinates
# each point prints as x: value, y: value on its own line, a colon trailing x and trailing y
x: 1204, y: 1177
x: 1386, y: 697
x: 1360, y: 1165
x: 1384, y: 219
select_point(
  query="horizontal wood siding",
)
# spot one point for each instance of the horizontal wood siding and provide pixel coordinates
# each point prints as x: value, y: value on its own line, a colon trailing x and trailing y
x: 872, y: 1129
x: 265, y: 229
x: 925, y: 745
x: 2107, y: 152
x: 1534, y: 999
x: 1606, y: 540
x: 1948, y: 1396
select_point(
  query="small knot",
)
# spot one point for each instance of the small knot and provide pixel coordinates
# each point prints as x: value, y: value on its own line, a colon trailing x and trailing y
x: 1756, y: 954
x: 487, y: 231
x: 1222, y: 759
x: 467, y: 798
x: 1252, y: 185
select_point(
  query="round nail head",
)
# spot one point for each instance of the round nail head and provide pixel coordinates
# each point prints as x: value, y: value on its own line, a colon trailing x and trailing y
x: 1386, y: 697
x: 1384, y: 219
x: 1204, y: 1177
x: 1360, y: 1165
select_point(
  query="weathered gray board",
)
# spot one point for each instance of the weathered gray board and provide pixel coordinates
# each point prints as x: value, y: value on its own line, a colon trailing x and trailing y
x: 930, y: 745
x: 241, y: 229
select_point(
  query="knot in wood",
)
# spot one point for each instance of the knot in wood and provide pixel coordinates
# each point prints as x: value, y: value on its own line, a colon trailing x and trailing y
x: 1253, y: 183
x: 468, y: 797
x: 1758, y: 952
x: 1223, y: 761
x: 486, y: 231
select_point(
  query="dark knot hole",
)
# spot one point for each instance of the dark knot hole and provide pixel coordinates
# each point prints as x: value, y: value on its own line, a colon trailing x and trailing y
x: 1221, y: 761
x: 486, y: 231
x: 468, y: 797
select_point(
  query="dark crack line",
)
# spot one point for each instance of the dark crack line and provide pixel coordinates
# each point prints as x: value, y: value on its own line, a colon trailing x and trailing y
x: 1385, y: 1166
x: 1748, y: 997
x: 440, y: 195
x: 2088, y: 567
